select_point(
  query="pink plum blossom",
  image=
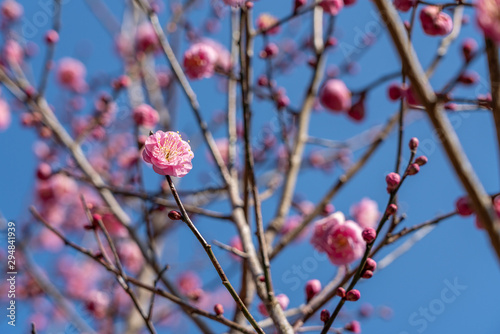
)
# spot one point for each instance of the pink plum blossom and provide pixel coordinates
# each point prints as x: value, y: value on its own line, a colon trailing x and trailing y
x: 404, y: 5
x: 188, y: 282
x: 11, y: 10
x: 97, y: 302
x: 488, y: 18
x: 200, y: 61
x: 131, y: 256
x: 4, y: 115
x: 332, y: 7
x: 435, y: 22
x: 71, y: 74
x: 168, y: 153
x: 145, y: 115
x: 335, y: 95
x: 365, y: 213
x: 146, y: 39
x: 13, y: 52
x: 282, y: 299
x: 265, y: 21
x: 341, y: 240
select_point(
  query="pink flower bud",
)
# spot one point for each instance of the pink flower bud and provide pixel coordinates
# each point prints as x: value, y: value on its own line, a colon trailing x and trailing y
x: 353, y: 326
x: 51, y: 37
x: 367, y: 274
x: 298, y: 3
x: 391, y: 209
x: 335, y: 96
x: 357, y: 111
x: 469, y: 48
x: 435, y: 22
x: 413, y: 169
x: 218, y: 309
x: 369, y: 234
x: 341, y: 292
x: 370, y: 264
x: 313, y: 287
x: 265, y: 21
x: 422, y: 160
x: 175, y: 215
x: 394, y: 92
x: 392, y: 180
x: 262, y: 81
x: 121, y: 82
x: 464, y: 207
x: 403, y: 5
x: 413, y: 144
x: 332, y: 7
x: 468, y: 78
x: 328, y: 209
x: 270, y: 50
x: 43, y: 172
x: 325, y: 315
x: 11, y: 10
x: 353, y: 295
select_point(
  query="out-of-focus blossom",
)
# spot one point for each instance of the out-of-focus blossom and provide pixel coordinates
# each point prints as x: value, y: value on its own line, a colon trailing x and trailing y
x: 71, y: 74
x: 365, y: 213
x: 488, y: 18
x: 200, y: 60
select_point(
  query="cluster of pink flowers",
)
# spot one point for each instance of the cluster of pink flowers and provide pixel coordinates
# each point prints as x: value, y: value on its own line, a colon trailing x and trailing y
x: 200, y: 61
x: 488, y: 18
x: 435, y: 22
x: 71, y: 74
x: 168, y: 153
x: 341, y: 240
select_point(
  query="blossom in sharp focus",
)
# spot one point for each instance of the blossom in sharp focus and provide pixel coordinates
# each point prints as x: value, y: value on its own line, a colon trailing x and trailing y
x: 341, y: 240
x: 168, y: 153
x: 365, y: 213
x: 488, y: 18
x: 335, y: 95
x: 145, y: 115
x: 435, y: 22
x: 332, y: 7
x: 71, y: 74
x: 200, y: 60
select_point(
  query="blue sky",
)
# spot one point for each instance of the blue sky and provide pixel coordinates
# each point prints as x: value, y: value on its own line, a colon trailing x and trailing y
x: 455, y: 253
